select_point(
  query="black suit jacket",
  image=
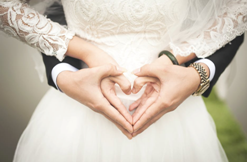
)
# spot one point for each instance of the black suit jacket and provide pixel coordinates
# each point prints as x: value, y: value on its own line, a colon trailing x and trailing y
x: 221, y: 58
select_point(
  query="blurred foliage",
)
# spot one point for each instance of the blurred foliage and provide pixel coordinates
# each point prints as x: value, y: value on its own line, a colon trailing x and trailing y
x: 229, y: 131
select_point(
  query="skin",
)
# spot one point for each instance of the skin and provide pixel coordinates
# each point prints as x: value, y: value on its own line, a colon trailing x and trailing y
x: 90, y: 80
x: 168, y: 86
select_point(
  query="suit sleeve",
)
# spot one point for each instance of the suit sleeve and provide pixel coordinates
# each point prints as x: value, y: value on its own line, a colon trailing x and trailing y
x: 56, y: 14
x: 222, y: 58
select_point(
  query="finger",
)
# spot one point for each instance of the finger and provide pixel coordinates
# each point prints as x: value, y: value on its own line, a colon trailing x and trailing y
x: 123, y: 82
x: 151, y: 122
x: 116, y: 102
x: 146, y: 70
x: 108, y: 70
x: 124, y: 131
x: 141, y: 81
x: 148, y: 115
x: 135, y: 104
x: 108, y: 89
x: 142, y: 108
x: 112, y: 113
x: 148, y: 124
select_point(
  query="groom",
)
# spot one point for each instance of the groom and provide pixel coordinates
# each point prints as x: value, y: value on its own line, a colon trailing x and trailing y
x: 216, y: 63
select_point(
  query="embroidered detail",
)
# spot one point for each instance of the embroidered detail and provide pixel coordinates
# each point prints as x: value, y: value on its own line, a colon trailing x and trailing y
x: 22, y: 22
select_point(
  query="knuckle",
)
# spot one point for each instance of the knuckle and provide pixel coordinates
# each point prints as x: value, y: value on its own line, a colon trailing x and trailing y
x: 108, y: 67
x: 138, y: 82
x: 148, y: 115
x: 95, y: 110
x: 117, y: 120
x: 166, y: 103
x: 126, y: 86
x: 98, y: 107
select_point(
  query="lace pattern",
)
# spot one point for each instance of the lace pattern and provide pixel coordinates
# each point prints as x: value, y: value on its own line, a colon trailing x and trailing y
x: 20, y: 21
x: 132, y: 32
x: 231, y: 23
x: 126, y: 26
x: 126, y: 29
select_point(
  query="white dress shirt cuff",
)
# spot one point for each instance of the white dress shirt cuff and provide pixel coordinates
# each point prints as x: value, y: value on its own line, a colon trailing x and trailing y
x: 211, y: 67
x: 60, y: 68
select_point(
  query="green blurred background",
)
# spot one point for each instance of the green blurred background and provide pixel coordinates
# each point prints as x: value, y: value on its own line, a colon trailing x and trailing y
x: 229, y: 132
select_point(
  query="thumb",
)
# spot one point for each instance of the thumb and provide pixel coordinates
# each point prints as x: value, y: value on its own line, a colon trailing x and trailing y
x: 109, y: 70
x: 123, y: 82
x: 141, y: 81
x: 146, y: 70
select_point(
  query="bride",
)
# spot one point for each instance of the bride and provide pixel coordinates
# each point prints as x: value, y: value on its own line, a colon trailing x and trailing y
x: 115, y: 38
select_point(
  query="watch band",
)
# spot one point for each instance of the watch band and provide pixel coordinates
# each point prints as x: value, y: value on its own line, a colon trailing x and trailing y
x: 170, y: 56
x: 204, y: 83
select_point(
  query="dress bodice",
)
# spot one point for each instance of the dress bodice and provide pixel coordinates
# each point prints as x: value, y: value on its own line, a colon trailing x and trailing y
x: 132, y: 32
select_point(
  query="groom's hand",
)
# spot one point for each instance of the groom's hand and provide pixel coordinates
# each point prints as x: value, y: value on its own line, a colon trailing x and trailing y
x: 85, y: 86
x: 176, y: 84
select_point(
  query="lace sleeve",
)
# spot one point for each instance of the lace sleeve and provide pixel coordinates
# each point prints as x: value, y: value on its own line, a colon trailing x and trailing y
x: 232, y: 22
x: 27, y: 25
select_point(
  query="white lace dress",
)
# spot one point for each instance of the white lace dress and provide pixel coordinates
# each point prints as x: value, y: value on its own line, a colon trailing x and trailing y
x: 133, y: 33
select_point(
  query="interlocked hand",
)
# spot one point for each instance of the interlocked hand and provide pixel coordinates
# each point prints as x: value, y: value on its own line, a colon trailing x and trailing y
x: 169, y: 85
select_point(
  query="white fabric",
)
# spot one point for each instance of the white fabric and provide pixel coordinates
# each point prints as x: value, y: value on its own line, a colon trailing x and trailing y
x: 60, y: 68
x: 229, y: 21
x: 191, y: 26
x: 23, y: 23
x: 199, y: 26
x: 63, y: 130
x: 132, y: 32
x: 210, y: 65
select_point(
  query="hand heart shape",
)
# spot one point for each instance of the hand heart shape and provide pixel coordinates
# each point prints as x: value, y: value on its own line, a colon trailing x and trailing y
x: 130, y: 95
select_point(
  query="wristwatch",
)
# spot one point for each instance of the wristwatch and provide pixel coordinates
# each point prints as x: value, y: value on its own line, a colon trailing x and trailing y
x: 205, y: 82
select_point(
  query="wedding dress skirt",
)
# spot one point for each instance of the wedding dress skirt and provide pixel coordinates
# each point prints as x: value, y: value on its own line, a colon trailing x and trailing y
x: 63, y: 130
x: 133, y: 33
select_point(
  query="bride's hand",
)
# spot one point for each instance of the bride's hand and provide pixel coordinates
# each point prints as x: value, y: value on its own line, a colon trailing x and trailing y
x: 85, y: 87
x: 108, y: 90
x: 176, y: 84
x: 88, y: 53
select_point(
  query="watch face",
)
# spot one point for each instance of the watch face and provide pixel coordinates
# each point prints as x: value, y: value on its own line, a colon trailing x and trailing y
x: 202, y: 88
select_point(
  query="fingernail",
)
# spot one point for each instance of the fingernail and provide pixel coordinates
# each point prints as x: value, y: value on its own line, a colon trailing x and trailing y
x: 136, y: 71
x: 120, y: 69
x: 134, y: 90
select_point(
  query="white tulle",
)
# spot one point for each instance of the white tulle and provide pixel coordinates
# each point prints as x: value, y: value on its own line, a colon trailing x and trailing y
x: 133, y: 33
x: 231, y: 22
x: 63, y: 130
